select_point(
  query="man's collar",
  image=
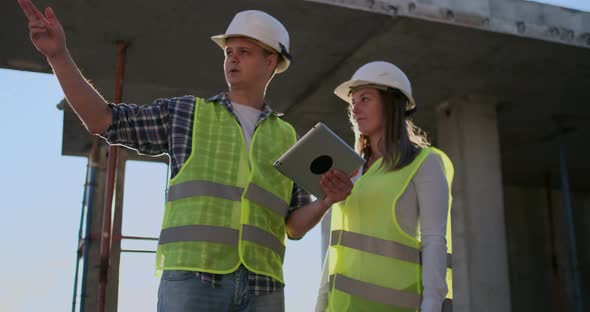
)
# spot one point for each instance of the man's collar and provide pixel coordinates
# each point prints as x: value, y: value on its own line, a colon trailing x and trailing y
x: 223, y: 98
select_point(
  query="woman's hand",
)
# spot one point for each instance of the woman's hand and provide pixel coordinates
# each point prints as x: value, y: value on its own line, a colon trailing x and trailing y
x: 336, y: 185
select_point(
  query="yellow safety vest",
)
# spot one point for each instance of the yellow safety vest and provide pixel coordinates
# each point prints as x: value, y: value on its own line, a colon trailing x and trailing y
x: 224, y: 208
x: 374, y: 264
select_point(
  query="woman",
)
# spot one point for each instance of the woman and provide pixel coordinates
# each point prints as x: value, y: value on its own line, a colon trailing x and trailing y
x: 389, y: 238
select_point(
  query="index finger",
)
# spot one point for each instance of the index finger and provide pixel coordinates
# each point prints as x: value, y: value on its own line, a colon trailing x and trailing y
x: 340, y: 175
x: 24, y: 4
x: 38, y: 13
x: 31, y: 10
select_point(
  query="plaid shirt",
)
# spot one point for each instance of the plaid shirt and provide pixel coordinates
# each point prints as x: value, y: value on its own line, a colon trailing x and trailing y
x: 165, y: 127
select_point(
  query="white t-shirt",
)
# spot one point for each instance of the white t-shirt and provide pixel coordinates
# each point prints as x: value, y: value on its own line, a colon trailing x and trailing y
x: 248, y: 117
x: 422, y: 207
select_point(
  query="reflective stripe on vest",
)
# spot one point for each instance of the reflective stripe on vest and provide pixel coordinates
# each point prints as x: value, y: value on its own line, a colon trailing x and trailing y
x: 375, y: 293
x: 199, y: 233
x: 267, y: 199
x: 221, y: 235
x: 379, y: 246
x: 261, y: 237
x: 207, y: 188
x: 380, y: 294
x: 204, y: 188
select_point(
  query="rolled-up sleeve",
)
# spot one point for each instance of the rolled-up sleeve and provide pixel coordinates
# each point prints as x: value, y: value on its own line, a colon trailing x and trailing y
x: 141, y: 127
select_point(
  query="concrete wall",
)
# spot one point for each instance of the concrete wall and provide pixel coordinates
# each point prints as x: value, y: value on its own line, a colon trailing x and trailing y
x: 539, y: 263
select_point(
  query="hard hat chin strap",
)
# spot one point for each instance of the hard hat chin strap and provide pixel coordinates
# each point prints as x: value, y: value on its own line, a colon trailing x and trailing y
x: 410, y: 112
x: 284, y: 52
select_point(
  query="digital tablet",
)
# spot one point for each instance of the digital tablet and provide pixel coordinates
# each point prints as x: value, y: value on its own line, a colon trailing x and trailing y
x: 318, y: 151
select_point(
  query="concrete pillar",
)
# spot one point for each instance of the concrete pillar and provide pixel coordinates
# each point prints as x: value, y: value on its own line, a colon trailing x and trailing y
x: 467, y: 132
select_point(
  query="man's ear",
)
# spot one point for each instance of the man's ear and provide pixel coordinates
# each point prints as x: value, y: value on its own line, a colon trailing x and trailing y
x: 273, y: 61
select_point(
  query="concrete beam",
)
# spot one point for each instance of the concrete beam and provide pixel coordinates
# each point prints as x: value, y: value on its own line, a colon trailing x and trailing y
x: 514, y: 17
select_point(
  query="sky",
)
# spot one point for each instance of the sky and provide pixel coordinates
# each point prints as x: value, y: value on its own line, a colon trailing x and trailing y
x: 42, y: 191
x: 582, y: 5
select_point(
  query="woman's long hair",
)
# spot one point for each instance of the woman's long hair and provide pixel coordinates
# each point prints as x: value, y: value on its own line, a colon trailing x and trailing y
x: 401, y: 140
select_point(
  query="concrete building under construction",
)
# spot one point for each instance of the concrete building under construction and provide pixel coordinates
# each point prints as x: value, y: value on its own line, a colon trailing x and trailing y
x: 501, y: 86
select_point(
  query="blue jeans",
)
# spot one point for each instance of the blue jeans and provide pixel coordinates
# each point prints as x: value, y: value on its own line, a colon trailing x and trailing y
x: 183, y: 291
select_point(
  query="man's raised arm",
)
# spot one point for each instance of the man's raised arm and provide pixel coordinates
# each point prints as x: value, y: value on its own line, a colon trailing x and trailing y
x: 49, y: 38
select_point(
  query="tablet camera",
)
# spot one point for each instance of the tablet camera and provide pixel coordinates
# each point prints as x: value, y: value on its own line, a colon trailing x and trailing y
x: 321, y: 164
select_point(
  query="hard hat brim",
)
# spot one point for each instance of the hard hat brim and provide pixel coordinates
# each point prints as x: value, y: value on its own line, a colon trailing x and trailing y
x: 343, y: 91
x: 220, y: 40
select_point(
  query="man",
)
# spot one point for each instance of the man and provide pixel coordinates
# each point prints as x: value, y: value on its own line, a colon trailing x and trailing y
x: 228, y: 211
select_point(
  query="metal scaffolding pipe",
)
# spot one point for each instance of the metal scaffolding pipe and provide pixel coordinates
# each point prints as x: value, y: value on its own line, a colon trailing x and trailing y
x: 570, y: 228
x: 112, y: 291
x: 105, y: 242
x: 557, y: 291
x: 84, y: 215
x: 94, y: 156
x: 137, y: 238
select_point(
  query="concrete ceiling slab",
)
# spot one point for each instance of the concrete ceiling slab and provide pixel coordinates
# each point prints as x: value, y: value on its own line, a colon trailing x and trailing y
x: 540, y: 86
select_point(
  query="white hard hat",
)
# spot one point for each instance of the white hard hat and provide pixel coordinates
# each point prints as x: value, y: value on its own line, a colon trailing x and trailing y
x: 262, y: 27
x: 378, y: 73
